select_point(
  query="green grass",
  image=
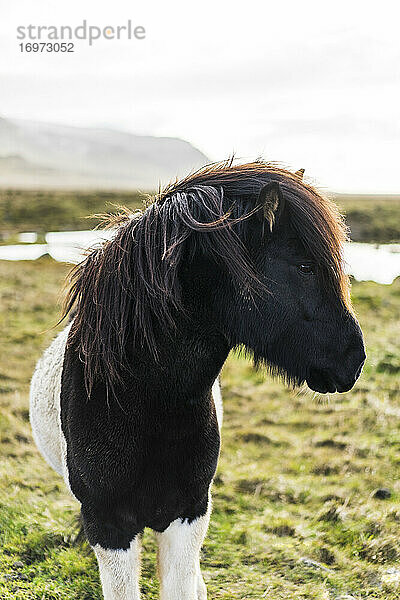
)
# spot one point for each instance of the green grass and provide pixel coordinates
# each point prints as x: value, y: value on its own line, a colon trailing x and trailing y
x: 371, y: 218
x: 42, y: 211
x: 295, y: 512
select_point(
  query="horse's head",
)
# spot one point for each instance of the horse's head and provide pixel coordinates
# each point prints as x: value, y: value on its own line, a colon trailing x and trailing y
x: 298, y: 320
x: 249, y: 254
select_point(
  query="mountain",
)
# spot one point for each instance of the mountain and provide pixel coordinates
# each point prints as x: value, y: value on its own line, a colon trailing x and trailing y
x: 44, y: 155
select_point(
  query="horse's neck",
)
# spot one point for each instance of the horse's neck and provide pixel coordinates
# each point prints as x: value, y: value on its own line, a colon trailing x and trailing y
x: 186, y: 365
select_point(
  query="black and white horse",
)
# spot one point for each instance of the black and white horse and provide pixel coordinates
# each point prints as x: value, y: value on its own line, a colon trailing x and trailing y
x: 125, y: 404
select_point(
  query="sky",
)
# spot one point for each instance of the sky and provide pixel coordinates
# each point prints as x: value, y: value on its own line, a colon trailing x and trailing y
x: 309, y: 84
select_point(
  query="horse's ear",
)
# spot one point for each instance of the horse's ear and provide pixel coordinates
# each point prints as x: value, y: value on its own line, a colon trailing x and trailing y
x: 299, y: 174
x: 272, y: 203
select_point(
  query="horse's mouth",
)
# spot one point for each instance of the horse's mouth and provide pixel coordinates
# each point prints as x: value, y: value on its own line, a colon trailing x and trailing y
x: 322, y: 381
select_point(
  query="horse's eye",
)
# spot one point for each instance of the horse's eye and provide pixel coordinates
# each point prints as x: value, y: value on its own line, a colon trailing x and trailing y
x: 306, y: 268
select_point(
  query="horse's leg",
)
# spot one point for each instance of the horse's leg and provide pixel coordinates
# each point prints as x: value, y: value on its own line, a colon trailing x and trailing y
x: 179, y: 559
x: 120, y: 571
x: 117, y: 549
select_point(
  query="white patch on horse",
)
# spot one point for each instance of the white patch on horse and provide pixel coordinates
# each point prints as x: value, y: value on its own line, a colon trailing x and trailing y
x: 45, y: 409
x: 179, y: 559
x: 120, y: 571
x: 217, y: 397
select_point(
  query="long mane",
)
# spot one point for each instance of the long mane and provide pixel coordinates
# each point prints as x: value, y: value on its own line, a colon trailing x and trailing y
x: 130, y: 285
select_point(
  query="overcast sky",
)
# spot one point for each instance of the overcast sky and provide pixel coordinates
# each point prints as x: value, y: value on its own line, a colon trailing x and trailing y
x: 311, y: 84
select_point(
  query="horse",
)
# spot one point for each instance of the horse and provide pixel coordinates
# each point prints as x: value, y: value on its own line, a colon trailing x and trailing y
x: 126, y: 405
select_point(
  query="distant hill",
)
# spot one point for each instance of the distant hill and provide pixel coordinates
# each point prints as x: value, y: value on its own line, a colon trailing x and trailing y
x: 39, y: 155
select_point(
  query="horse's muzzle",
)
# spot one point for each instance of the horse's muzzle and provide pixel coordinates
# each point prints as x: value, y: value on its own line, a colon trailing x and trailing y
x: 340, y: 379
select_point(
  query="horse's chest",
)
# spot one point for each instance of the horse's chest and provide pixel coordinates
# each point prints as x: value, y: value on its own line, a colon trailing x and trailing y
x: 151, y: 467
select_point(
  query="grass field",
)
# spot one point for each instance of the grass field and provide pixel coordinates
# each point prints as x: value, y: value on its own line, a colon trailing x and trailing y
x: 306, y: 498
x: 42, y: 211
x: 371, y: 218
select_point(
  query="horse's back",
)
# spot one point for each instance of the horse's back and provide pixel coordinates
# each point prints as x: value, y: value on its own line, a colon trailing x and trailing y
x: 45, y: 394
